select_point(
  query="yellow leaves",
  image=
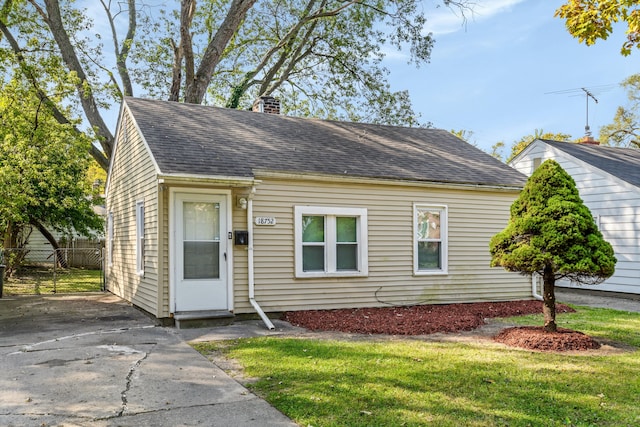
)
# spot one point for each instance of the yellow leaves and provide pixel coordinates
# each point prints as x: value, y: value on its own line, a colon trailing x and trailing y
x: 591, y: 20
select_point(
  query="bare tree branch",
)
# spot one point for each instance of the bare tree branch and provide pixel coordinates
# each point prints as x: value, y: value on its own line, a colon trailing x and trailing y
x: 87, y: 100
x: 122, y: 53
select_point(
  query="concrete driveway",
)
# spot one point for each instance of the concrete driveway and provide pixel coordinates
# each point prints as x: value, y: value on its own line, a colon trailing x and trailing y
x: 93, y: 360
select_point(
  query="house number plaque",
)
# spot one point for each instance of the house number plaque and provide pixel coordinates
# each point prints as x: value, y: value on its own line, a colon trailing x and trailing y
x: 265, y: 220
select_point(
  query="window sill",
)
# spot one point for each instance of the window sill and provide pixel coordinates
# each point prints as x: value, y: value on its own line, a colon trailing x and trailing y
x: 322, y: 275
x: 431, y: 273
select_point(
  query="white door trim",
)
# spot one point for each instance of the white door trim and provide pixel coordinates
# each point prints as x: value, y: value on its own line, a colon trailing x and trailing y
x: 173, y: 271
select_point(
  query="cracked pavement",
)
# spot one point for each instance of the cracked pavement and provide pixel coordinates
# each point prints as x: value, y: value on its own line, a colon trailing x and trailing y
x: 93, y: 360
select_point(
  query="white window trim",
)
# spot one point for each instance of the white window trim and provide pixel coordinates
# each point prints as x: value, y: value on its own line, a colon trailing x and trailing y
x: 110, y: 239
x: 330, y: 252
x: 140, y: 237
x: 444, y: 237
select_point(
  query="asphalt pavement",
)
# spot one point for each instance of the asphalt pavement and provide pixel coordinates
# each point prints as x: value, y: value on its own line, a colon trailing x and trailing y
x: 94, y: 360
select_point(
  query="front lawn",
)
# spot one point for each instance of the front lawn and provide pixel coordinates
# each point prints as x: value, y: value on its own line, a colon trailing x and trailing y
x: 410, y: 382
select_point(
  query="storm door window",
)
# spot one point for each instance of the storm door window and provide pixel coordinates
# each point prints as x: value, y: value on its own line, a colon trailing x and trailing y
x: 331, y: 241
x: 430, y: 245
x: 201, y: 244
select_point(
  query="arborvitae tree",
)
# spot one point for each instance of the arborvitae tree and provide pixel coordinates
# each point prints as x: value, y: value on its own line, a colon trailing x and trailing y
x: 551, y: 232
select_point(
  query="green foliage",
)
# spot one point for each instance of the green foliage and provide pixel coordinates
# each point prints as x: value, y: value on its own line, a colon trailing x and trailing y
x: 550, y: 227
x: 43, y: 167
x: 625, y: 129
x: 591, y: 20
x: 321, y: 59
x: 496, y: 150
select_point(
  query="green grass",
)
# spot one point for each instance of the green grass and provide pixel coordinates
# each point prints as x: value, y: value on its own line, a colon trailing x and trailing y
x: 39, y: 281
x: 414, y: 383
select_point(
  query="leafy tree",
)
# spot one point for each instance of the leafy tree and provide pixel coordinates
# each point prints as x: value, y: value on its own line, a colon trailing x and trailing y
x: 464, y: 135
x: 523, y: 142
x: 321, y: 57
x: 552, y: 233
x: 496, y: 150
x: 625, y: 129
x: 590, y: 20
x: 43, y: 165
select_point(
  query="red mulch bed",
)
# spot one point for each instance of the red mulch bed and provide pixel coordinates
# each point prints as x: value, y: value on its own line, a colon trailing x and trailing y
x: 450, y: 318
x: 536, y: 338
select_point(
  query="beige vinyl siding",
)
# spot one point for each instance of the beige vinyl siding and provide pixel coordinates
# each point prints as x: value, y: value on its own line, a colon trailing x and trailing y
x: 163, y: 244
x: 474, y: 216
x: 133, y: 178
x: 240, y: 263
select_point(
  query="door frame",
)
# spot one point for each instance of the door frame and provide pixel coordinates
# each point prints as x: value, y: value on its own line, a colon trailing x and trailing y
x: 173, y: 271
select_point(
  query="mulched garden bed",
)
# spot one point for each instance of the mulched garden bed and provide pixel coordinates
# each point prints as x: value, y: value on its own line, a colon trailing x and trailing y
x: 449, y: 318
x: 536, y: 338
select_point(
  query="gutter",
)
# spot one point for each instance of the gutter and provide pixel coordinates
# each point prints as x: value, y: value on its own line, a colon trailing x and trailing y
x: 250, y: 273
x: 265, y: 173
x: 535, y: 278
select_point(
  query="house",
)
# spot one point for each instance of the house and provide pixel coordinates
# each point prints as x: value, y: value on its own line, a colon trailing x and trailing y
x: 79, y: 251
x: 215, y: 211
x: 608, y: 179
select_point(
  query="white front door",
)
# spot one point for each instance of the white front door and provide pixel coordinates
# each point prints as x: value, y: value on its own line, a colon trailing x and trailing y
x: 200, y: 249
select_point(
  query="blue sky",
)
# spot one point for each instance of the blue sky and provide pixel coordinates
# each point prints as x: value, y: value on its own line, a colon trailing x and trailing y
x: 493, y: 75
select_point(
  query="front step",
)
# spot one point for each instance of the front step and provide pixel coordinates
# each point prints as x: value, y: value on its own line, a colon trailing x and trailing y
x: 202, y: 319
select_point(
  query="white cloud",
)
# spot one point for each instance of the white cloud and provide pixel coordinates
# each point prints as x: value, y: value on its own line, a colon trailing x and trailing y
x: 444, y: 20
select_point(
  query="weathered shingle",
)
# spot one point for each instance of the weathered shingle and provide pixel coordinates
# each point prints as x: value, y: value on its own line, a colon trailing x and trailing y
x: 623, y: 163
x: 211, y: 141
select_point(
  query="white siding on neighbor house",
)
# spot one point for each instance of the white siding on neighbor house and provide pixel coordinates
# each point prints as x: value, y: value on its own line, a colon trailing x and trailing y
x: 133, y: 178
x: 474, y: 217
x: 615, y: 204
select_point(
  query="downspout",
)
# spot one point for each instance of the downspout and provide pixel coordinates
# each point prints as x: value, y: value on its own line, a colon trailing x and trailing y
x: 535, y: 277
x: 250, y: 273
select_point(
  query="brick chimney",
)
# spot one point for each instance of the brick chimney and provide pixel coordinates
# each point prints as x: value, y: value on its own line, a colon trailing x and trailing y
x: 589, y: 140
x: 266, y: 104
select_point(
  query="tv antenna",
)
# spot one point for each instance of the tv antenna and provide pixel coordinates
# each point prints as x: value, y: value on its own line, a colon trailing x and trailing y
x: 588, y: 93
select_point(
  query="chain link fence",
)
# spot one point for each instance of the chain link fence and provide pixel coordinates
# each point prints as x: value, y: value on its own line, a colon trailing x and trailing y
x: 47, y: 271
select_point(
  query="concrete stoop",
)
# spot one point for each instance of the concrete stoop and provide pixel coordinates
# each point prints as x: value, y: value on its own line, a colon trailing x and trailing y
x: 203, y: 319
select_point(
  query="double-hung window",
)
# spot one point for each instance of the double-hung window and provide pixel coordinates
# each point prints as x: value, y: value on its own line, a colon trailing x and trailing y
x: 430, y: 241
x: 331, y: 241
x: 140, y: 238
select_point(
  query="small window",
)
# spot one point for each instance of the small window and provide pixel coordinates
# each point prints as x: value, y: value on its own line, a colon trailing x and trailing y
x: 140, y: 238
x: 537, y: 161
x: 110, y: 239
x: 331, y: 241
x: 430, y: 245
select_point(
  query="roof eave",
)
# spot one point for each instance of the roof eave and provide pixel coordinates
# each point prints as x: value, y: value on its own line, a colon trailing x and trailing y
x: 181, y: 179
x: 265, y: 174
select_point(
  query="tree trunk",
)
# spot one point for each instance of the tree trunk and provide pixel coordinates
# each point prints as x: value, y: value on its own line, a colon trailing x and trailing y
x: 195, y: 89
x: 549, y: 297
x: 54, y: 243
x: 87, y: 99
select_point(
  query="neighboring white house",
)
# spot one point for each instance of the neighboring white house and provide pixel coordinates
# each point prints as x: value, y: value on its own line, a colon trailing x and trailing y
x: 608, y: 179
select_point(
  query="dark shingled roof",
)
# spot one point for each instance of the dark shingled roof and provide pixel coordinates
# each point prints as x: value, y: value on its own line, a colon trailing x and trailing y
x: 211, y: 141
x: 623, y: 163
